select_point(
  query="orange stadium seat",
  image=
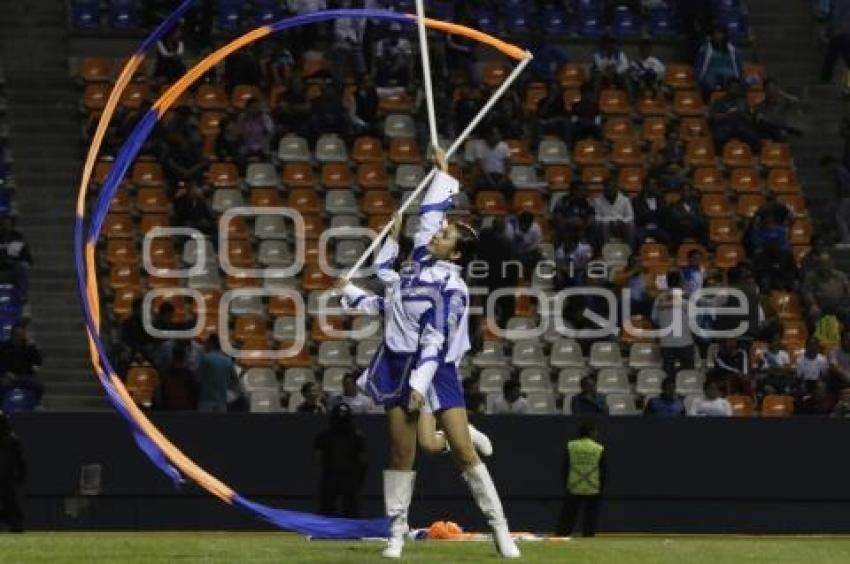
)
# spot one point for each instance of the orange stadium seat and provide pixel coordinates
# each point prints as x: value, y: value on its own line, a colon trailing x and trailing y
x: 379, y: 203
x: 244, y: 93
x: 301, y: 359
x: 737, y: 154
x: 801, y: 232
x: 395, y: 102
x: 627, y: 152
x: 124, y: 276
x: 785, y: 305
x: 122, y: 301
x: 118, y: 226
x: 594, y: 175
x: 783, y: 181
x: 530, y: 201
x: 571, y: 76
x: 101, y: 171
x: 298, y: 175
x: 211, y: 123
x: 337, y: 175
x: 685, y: 249
x: 162, y: 253
x: 559, y: 177
x: 367, y: 150
x: 729, y: 255
x: 241, y: 254
x: 534, y: 93
x: 252, y: 355
x: 95, y: 69
x: 754, y: 75
x: 631, y: 179
x: 571, y: 97
x: 315, y: 278
x: 142, y: 384
x: 147, y: 174
x: 264, y: 198
x: 745, y: 180
x: 134, y: 95
x: 614, y: 101
x: 404, y: 151
x: 120, y: 202
x: 313, y: 226
x: 94, y: 97
x: 211, y: 98
x: 636, y: 333
x: 152, y: 200
x: 749, y: 204
x: 654, y: 128
x: 520, y: 155
x: 619, y: 127
x: 377, y: 222
x: 774, y: 155
x: 493, y: 73
x: 237, y: 228
x: 240, y: 280
x: 654, y: 254
x: 679, y: 76
x: 794, y: 331
x: 322, y: 330
x: 490, y: 203
x: 709, y: 180
x: 159, y: 282
x: 700, y: 152
x: 250, y: 327
x: 688, y: 103
x: 223, y: 175
x: 693, y: 128
x: 280, y: 304
x: 649, y: 105
x: 775, y: 405
x: 372, y: 176
x: 795, y: 203
x: 305, y: 201
x: 122, y: 251
x: 589, y: 152
x: 723, y: 230
x: 716, y: 205
x: 742, y: 406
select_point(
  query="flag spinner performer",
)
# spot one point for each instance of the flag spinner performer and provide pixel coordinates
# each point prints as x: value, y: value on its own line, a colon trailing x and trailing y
x: 426, y: 311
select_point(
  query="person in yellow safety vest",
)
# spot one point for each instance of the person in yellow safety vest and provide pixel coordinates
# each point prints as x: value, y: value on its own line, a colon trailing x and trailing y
x: 584, y: 480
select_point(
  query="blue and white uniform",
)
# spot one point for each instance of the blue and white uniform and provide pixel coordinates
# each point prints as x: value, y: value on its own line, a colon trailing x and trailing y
x: 426, y: 311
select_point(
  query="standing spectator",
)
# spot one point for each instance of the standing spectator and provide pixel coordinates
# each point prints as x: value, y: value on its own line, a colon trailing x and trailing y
x: 192, y: 209
x: 588, y: 401
x: 731, y: 367
x: 717, y: 61
x: 839, y: 39
x: 816, y: 402
x: 826, y: 291
x: 670, y: 313
x: 694, y: 273
x: 13, y: 475
x: 216, y: 371
x: 614, y: 216
x: 775, y: 369
x: 364, y: 113
x: 649, y: 213
x: 15, y: 257
x: 711, y: 404
x: 685, y: 218
x: 341, y: 451
x: 525, y: 236
x: 347, y: 51
x: 20, y: 361
x: 731, y: 118
x: 243, y: 67
x: 394, y: 56
x: 583, y: 474
x: 839, y: 361
x: 512, y: 402
x: 495, y: 249
x: 812, y: 366
x: 473, y: 397
x: 169, y: 66
x: 178, y: 382
x: 183, y: 158
x: 256, y: 129
x: 357, y: 402
x: 668, y: 404
x: 494, y: 163
x: 314, y: 399
x: 610, y: 66
x: 586, y: 117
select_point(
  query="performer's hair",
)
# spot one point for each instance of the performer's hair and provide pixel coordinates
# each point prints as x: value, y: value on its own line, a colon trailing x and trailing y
x: 467, y: 243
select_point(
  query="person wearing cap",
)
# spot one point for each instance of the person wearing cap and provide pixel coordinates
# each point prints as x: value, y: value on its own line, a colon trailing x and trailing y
x: 341, y: 451
x: 13, y: 472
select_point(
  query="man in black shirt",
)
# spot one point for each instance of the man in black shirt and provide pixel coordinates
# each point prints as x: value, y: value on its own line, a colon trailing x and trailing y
x: 15, y: 257
x: 341, y: 450
x: 19, y: 364
x: 13, y: 472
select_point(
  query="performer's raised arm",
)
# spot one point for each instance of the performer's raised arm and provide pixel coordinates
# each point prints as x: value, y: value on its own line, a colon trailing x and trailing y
x: 439, y: 199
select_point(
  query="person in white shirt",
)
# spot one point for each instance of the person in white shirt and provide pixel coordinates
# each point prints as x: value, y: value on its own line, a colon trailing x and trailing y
x: 711, y: 404
x: 525, y: 236
x: 358, y: 402
x: 647, y: 72
x: 511, y: 402
x: 670, y: 314
x: 493, y: 157
x: 348, y: 55
x: 614, y: 216
x: 811, y: 365
x: 775, y: 368
x: 610, y: 65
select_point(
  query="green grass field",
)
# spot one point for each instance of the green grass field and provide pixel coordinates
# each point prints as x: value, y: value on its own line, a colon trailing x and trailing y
x: 246, y: 548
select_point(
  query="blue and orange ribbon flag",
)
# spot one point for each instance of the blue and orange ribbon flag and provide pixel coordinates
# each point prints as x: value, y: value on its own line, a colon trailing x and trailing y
x: 164, y: 454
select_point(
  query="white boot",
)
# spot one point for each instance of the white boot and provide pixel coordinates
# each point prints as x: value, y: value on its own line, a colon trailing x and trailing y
x: 398, y: 489
x: 484, y: 491
x: 480, y: 441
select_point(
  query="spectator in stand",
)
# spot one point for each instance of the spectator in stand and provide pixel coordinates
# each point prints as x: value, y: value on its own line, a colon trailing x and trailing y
x: 460, y: 57
x: 635, y: 278
x: 668, y: 404
x: 842, y: 408
x: 694, y: 273
x: 614, y: 216
x: 473, y: 397
x: 731, y: 367
x: 13, y: 476
x: 15, y: 257
x: 647, y: 72
x: 717, y: 61
x: 347, y: 50
x: 839, y: 39
x: 357, y: 402
x: 572, y: 256
x: 341, y: 450
x: 314, y: 399
x: 710, y: 404
x: 573, y: 212
x: 178, y: 382
x: 279, y: 65
x: 776, y: 114
x: 394, y: 60
x: 670, y: 310
x: 826, y: 291
x: 685, y: 218
x: 134, y: 337
x: 169, y: 66
x: 494, y: 164
x: 818, y: 401
x: 495, y: 249
x: 192, y: 209
x: 588, y: 401
x: 256, y: 129
x: 586, y: 117
x: 551, y: 116
x: 731, y: 118
x: 183, y: 157
x: 216, y: 373
x: 775, y: 268
x: 768, y: 229
x: 364, y: 112
x: 329, y: 114
x: 649, y: 211
x: 812, y: 366
x: 243, y: 67
x: 512, y: 401
x: 841, y: 173
x: 525, y: 236
x: 20, y: 361
x: 228, y: 142
x: 839, y: 362
x: 610, y: 66
x: 775, y: 372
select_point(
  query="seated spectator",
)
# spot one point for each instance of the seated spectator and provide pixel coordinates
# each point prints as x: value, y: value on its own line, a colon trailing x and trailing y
x: 731, y: 118
x: 817, y: 401
x: 15, y: 257
x: 552, y: 116
x: 178, y: 382
x: 668, y: 404
x: 586, y: 116
x: 812, y: 366
x: 464, y: 108
x: 610, y: 66
x: 774, y: 367
x: 216, y: 374
x: 649, y: 210
x: 710, y: 404
x: 358, y: 402
x: 314, y: 400
x: 256, y: 129
x: 243, y: 67
x: 775, y: 268
x: 685, y: 219
x: 525, y: 236
x: 694, y: 273
x: 826, y: 291
x: 133, y: 335
x: 670, y: 309
x: 647, y: 71
x: 364, y: 111
x: 778, y: 114
x: 635, y: 278
x: 731, y: 367
x: 20, y: 361
x: 573, y: 213
x: 494, y: 164
x: 768, y: 229
x: 393, y: 60
x: 588, y: 401
x: 842, y: 408
x: 673, y: 152
x: 512, y: 402
x: 169, y: 66
x: 717, y: 62
x: 229, y: 140
x: 495, y: 249
x: 328, y: 114
x: 572, y: 256
x: 183, y: 158
x: 192, y: 209
x: 475, y: 400
x: 613, y: 217
x: 347, y: 50
x: 839, y: 362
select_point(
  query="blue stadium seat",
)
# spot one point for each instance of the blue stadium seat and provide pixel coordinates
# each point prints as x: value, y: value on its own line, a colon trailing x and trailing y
x: 590, y: 24
x: 85, y: 14
x: 229, y: 14
x: 266, y: 11
x: 5, y: 200
x: 555, y: 22
x: 662, y: 23
x: 17, y: 400
x: 519, y: 22
x: 10, y: 303
x: 626, y: 23
x: 122, y: 14
x: 405, y: 6
x: 588, y: 6
x: 441, y: 10
x: 736, y: 26
x: 487, y: 21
